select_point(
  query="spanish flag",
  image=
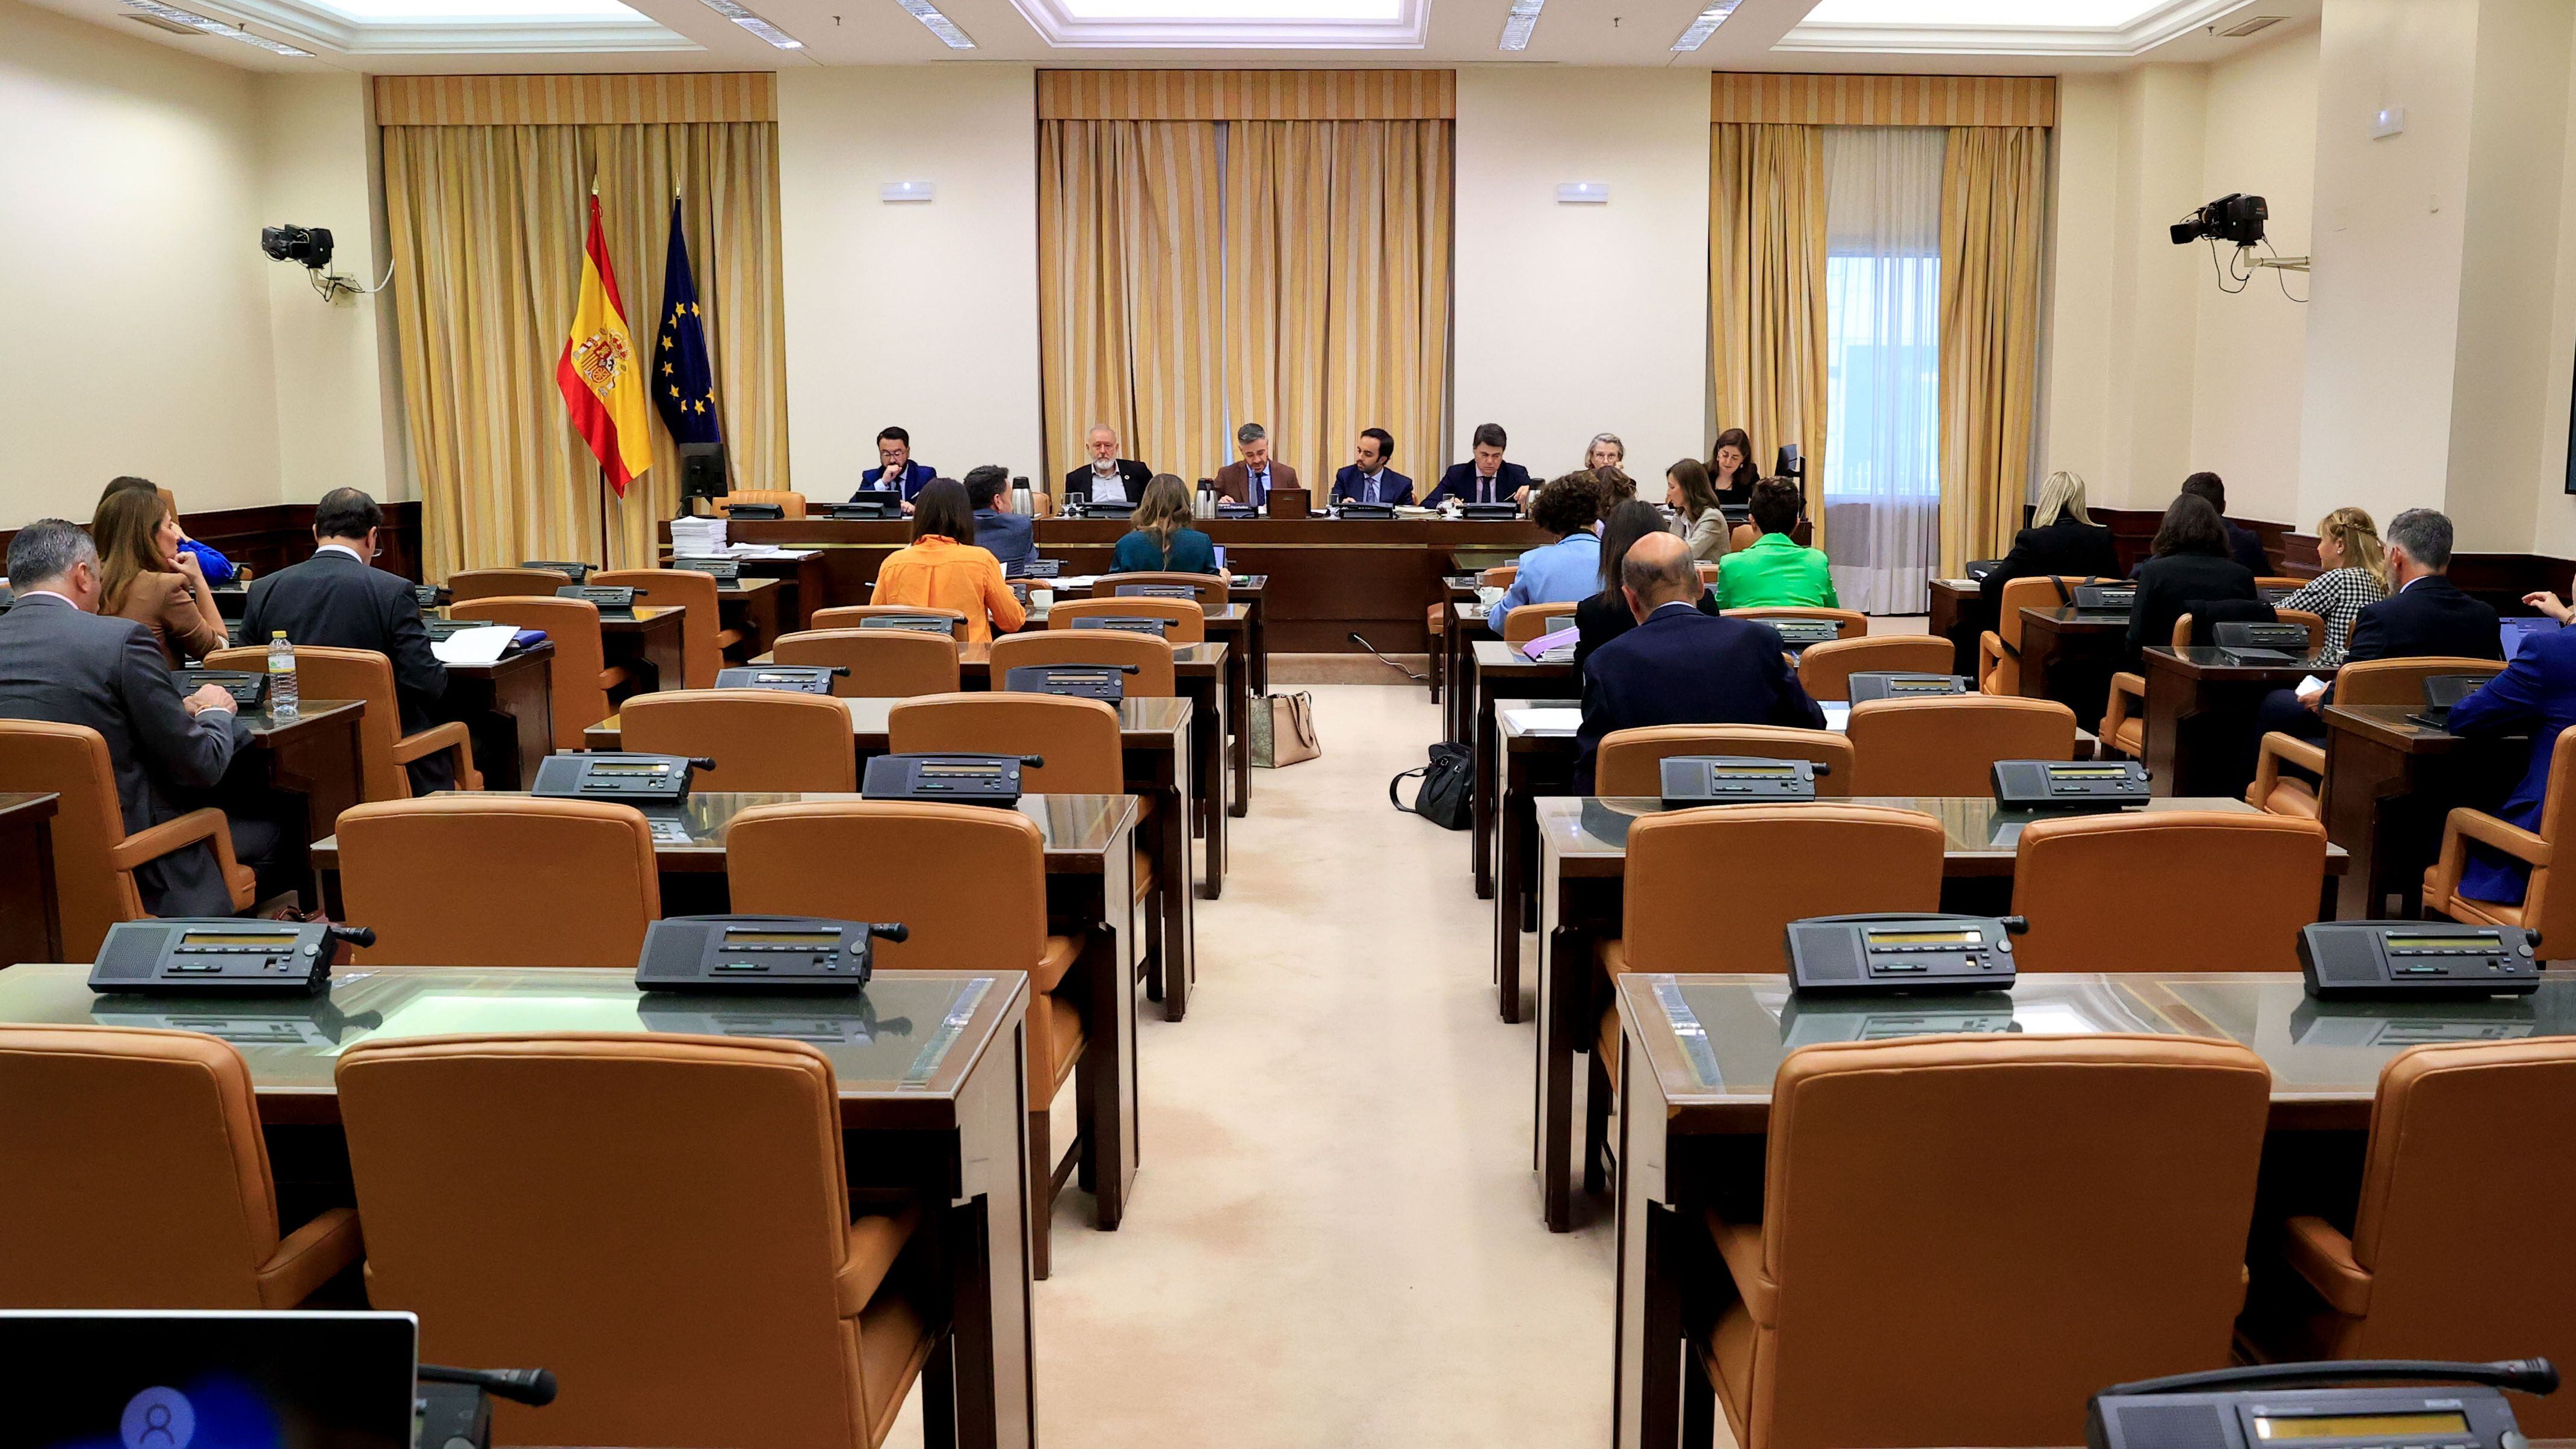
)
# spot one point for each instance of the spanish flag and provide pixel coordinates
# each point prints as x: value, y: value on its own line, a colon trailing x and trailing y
x: 602, y: 378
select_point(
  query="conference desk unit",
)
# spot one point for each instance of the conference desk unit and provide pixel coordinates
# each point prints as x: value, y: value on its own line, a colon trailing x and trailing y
x: 310, y: 765
x: 1698, y: 1055
x: 31, y: 913
x: 1959, y: 613
x: 508, y: 707
x: 2390, y: 783
x: 927, y: 1066
x: 2069, y: 655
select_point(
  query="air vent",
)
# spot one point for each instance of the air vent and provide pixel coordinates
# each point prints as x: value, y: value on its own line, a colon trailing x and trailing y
x: 157, y: 23
x: 2250, y: 24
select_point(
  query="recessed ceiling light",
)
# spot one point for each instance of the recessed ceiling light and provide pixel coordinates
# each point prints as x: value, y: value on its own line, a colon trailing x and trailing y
x: 1520, y: 22
x: 206, y: 25
x: 940, y: 25
x: 1221, y: 10
x: 2243, y: 28
x: 2051, y: 14
x: 1697, y: 33
x: 505, y: 11
x: 755, y: 24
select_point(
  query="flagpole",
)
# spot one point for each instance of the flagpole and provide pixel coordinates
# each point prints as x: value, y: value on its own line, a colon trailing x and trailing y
x: 604, y: 494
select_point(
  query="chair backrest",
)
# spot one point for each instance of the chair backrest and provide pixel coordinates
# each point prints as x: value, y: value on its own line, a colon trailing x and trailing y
x: 1189, y: 621
x: 847, y: 616
x: 1825, y: 670
x: 132, y: 1174
x: 760, y: 739
x: 360, y: 674
x: 883, y: 663
x: 1631, y: 761
x: 791, y: 505
x: 700, y: 655
x: 1848, y: 623
x: 2545, y: 907
x: 1500, y: 576
x: 2401, y: 681
x: 1155, y: 677
x: 2039, y: 591
x: 1078, y: 738
x: 1714, y: 889
x: 579, y: 1238
x: 1527, y: 621
x: 2074, y: 1207
x: 2174, y: 890
x: 980, y: 907
x: 2279, y: 581
x: 1742, y: 536
x: 426, y: 875
x: 2452, y: 1140
x: 580, y: 668
x: 1213, y: 592
x: 72, y: 761
x: 1947, y: 744
x: 497, y: 583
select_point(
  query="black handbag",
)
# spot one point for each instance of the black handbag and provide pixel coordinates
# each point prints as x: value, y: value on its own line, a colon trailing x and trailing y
x: 1448, y: 788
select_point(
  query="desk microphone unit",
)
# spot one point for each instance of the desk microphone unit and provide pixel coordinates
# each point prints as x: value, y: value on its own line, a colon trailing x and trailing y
x: 1869, y: 684
x: 1852, y: 955
x: 785, y: 678
x: 1804, y: 633
x: 249, y: 690
x: 759, y: 953
x: 722, y: 570
x: 1157, y: 591
x: 955, y: 779
x: 572, y: 569
x: 1104, y: 682
x: 644, y: 781
x: 869, y: 503
x: 2346, y: 959
x: 614, y: 601
x: 2105, y: 598
x: 915, y: 623
x: 1736, y: 780
x: 1238, y: 510
x: 1108, y: 507
x: 221, y: 956
x: 425, y: 595
x: 755, y: 512
x: 1128, y: 623
x: 1040, y: 568
x: 2441, y: 691
x: 1488, y: 512
x: 2352, y: 1407
x: 2069, y: 784
x: 2248, y: 642
x: 1355, y: 509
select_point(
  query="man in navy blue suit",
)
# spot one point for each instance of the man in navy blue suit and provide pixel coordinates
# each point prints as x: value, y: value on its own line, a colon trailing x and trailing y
x: 1369, y: 480
x: 1488, y: 479
x: 2536, y: 692
x: 1680, y: 666
x: 895, y: 468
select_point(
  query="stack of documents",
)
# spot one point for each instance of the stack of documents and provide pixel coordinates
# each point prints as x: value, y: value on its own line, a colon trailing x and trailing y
x: 698, y: 537
x: 473, y: 646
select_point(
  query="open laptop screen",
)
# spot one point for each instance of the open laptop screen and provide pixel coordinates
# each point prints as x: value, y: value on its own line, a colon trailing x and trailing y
x: 164, y: 1380
x: 2520, y: 631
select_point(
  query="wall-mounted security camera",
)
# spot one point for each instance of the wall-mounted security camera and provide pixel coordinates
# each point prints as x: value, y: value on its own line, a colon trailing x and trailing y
x: 2234, y: 217
x: 310, y: 247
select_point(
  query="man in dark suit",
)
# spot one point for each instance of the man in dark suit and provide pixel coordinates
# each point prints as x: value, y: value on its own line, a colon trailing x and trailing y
x: 1369, y: 480
x: 1680, y: 666
x: 1250, y: 478
x: 895, y: 468
x: 998, y: 531
x: 1486, y: 479
x: 2427, y: 618
x: 61, y: 661
x: 338, y: 600
x: 1107, y: 477
x: 2243, y: 544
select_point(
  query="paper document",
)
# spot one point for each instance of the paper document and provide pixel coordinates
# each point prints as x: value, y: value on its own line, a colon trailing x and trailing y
x: 1837, y: 714
x: 1544, y: 721
x: 473, y: 646
x: 1545, y: 648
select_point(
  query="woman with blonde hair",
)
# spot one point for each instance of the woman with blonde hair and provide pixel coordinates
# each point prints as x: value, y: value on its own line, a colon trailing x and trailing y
x: 2062, y: 539
x: 2353, y: 574
x: 1163, y: 541
x: 148, y: 578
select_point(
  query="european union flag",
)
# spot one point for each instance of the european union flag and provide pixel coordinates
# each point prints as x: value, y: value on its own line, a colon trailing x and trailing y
x: 684, y: 386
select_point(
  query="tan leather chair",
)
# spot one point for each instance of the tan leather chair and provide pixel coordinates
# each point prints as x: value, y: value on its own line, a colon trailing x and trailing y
x: 882, y: 663
x: 2364, y: 683
x: 2454, y: 1141
x: 581, y: 672
x: 2169, y: 890
x: 503, y: 583
x: 1631, y: 762
x: 1999, y: 648
x: 1212, y: 590
x: 1742, y: 537
x: 133, y: 1175
x: 2552, y: 914
x: 2124, y: 714
x: 1078, y: 737
x: 443, y: 881
x: 1848, y: 623
x: 666, y: 1224
x: 847, y: 616
x: 1527, y: 621
x: 760, y: 739
x: 1189, y: 621
x: 2090, y: 1229
x: 94, y: 859
x: 1825, y: 670
x: 1948, y: 744
x: 703, y: 636
x: 988, y: 913
x: 1154, y: 678
x: 367, y: 676
x: 792, y: 505
x: 2279, y: 581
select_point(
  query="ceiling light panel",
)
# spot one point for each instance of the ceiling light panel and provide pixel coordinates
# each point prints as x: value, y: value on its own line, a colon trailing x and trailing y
x: 1520, y: 22
x: 2053, y: 14
x: 756, y: 24
x: 2001, y: 27
x: 1233, y: 10
x: 207, y: 25
x: 1228, y: 24
x: 1696, y: 34
x: 940, y: 25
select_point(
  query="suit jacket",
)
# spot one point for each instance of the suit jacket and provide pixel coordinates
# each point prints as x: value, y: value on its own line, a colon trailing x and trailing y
x: 915, y: 474
x: 2167, y: 586
x: 1234, y: 481
x: 2065, y: 547
x: 2246, y: 547
x: 60, y: 664
x: 2428, y: 617
x: 164, y: 603
x: 1009, y: 537
x: 1683, y: 667
x: 1393, y: 487
x: 1604, y: 617
x: 336, y: 601
x: 1077, y: 484
x: 2537, y: 691
x: 1460, y: 483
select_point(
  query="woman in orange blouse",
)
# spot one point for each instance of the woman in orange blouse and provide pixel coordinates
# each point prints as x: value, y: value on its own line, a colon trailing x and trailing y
x: 939, y: 572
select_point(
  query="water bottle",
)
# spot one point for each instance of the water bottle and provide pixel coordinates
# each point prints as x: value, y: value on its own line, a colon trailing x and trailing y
x: 282, y: 698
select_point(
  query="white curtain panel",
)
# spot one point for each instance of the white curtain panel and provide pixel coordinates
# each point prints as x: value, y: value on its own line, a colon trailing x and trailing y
x: 1883, y: 363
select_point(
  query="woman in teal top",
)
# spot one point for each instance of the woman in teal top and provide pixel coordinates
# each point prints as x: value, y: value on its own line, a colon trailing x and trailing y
x: 1775, y: 570
x: 1163, y: 541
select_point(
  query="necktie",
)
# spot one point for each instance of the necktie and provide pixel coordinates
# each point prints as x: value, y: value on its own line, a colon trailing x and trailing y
x: 1370, y: 494
x: 1261, y: 486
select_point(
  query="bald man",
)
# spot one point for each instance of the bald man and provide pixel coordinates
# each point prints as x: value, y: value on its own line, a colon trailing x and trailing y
x: 1680, y: 666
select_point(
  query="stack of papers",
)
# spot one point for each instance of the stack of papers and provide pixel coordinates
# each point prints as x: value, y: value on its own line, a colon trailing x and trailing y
x: 698, y: 537
x: 1555, y: 648
x: 473, y: 646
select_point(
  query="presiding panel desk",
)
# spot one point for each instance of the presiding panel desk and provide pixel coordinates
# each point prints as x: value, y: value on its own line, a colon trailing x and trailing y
x: 926, y: 1063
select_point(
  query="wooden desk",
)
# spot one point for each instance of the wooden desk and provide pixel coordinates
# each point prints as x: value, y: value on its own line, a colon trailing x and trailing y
x: 1583, y: 844
x: 927, y: 1066
x: 314, y: 758
x: 1496, y: 670
x: 1467, y: 628
x: 803, y: 576
x: 508, y: 706
x: 2070, y: 657
x: 31, y: 914
x: 649, y: 645
x: 1959, y: 614
x: 2389, y: 785
x: 2200, y: 716
x: 757, y: 607
x: 1698, y: 1055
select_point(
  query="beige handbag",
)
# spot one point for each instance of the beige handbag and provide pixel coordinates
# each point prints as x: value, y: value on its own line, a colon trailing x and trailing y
x: 1283, y: 730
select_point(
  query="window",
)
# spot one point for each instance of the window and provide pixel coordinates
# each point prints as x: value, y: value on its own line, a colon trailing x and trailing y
x: 1882, y: 464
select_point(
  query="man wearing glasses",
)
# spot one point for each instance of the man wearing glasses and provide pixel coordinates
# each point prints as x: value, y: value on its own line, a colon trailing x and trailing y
x: 337, y: 599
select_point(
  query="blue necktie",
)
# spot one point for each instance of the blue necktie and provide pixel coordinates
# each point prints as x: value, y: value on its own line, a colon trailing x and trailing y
x: 1261, y: 486
x: 1372, y: 489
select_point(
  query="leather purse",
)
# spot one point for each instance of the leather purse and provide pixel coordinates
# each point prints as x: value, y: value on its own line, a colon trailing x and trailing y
x: 1283, y: 730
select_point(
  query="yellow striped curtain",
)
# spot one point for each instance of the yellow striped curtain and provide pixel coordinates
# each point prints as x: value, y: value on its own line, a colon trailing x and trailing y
x: 1994, y: 210
x: 1766, y: 288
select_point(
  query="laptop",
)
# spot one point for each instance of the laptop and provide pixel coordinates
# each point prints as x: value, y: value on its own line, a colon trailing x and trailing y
x: 2522, y: 630
x: 89, y: 1379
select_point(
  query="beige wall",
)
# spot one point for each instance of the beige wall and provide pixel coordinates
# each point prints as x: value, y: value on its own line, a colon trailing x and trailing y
x: 1575, y: 320
x: 918, y: 314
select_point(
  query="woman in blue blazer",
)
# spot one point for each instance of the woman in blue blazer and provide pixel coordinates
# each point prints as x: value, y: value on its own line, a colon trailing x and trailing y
x: 2537, y: 691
